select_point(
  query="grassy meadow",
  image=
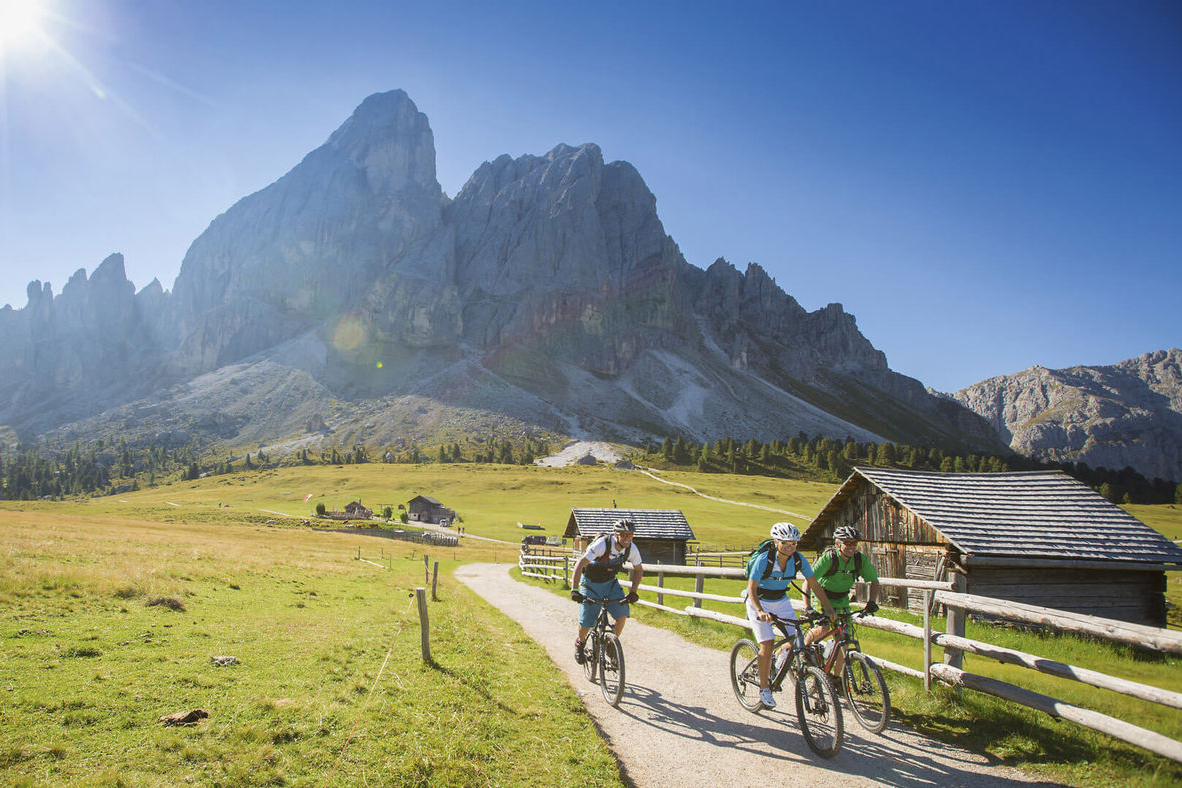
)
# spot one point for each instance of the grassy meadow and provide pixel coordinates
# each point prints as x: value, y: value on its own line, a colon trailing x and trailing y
x: 89, y: 664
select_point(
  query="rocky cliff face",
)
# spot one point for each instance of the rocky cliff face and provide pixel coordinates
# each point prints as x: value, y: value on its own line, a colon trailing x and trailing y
x: 1127, y: 414
x: 546, y: 295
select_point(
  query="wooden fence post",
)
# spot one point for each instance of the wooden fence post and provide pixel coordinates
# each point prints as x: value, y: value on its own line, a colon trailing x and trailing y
x: 956, y: 619
x: 434, y: 580
x: 424, y: 624
x: 660, y: 584
x: 426, y: 570
x: 699, y: 584
x: 565, y: 572
x: 927, y: 640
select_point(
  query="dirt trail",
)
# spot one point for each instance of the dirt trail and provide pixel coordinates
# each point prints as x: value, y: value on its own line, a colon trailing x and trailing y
x: 679, y: 724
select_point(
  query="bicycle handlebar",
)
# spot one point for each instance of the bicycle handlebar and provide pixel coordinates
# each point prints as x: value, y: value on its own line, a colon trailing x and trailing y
x: 603, y: 600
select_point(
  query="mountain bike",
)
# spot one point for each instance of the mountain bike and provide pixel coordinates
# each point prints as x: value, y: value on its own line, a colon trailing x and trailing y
x: 817, y: 708
x: 862, y: 681
x: 603, y: 655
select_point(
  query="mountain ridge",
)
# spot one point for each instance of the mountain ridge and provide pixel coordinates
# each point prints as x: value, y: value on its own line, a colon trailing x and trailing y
x: 544, y: 296
x: 1112, y: 416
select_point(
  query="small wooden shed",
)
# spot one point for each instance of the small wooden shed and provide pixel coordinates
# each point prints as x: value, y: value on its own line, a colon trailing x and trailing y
x: 661, y: 534
x: 357, y: 511
x: 1038, y: 537
x: 428, y: 510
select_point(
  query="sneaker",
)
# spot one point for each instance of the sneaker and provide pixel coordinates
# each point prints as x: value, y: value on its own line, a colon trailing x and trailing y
x: 580, y: 658
x: 765, y: 697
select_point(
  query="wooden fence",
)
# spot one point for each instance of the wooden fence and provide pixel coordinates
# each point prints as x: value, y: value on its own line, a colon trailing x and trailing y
x: 953, y: 641
x: 419, y: 537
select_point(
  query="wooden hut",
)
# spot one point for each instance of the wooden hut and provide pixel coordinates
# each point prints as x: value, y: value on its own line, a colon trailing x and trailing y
x: 357, y: 511
x: 428, y: 510
x: 1038, y: 537
x: 661, y: 534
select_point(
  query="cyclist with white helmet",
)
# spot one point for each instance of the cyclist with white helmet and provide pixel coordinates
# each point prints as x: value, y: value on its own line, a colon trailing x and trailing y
x: 837, y: 569
x: 767, y: 595
x: 594, y: 578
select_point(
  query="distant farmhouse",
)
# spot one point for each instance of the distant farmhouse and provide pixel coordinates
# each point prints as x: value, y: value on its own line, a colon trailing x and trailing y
x: 1037, y: 537
x: 661, y: 534
x: 353, y: 511
x: 428, y: 510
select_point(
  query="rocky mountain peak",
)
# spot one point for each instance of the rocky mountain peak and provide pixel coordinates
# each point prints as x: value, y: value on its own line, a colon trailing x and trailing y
x: 547, y: 291
x: 1124, y: 414
x: 389, y: 140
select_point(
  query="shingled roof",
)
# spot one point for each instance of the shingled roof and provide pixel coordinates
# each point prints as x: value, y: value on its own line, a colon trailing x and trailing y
x: 1029, y: 514
x: 650, y: 523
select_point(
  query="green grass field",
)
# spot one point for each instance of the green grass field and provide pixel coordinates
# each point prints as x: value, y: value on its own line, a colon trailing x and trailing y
x: 89, y: 666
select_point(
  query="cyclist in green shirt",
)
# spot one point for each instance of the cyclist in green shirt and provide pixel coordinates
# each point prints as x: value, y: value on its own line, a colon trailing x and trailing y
x: 836, y: 570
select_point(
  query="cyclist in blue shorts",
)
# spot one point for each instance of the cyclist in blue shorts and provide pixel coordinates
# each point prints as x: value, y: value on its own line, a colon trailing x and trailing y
x: 595, y: 578
x: 767, y: 594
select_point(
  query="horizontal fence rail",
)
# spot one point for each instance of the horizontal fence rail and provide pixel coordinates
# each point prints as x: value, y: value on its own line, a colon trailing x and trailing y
x: 953, y: 641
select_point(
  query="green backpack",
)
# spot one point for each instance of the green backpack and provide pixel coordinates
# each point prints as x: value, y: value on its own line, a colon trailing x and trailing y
x: 768, y: 546
x: 833, y: 563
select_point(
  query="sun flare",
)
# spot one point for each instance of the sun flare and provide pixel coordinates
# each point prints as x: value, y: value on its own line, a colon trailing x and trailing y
x: 20, y: 22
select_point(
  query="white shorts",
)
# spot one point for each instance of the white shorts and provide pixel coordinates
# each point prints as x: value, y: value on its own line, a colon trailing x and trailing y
x: 763, y: 630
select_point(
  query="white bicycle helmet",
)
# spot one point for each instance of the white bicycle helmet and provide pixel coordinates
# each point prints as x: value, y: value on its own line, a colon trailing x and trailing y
x: 785, y: 532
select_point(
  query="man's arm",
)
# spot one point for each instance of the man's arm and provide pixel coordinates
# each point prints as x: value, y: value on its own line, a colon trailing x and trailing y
x: 634, y: 577
x: 821, y: 596
x: 580, y: 565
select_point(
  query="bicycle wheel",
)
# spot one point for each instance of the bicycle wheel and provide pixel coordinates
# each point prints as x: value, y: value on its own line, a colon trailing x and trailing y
x: 590, y: 652
x: 818, y: 711
x: 745, y: 675
x: 866, y: 690
x: 611, y: 669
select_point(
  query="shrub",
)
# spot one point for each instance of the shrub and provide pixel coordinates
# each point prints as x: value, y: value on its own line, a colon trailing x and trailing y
x: 172, y: 603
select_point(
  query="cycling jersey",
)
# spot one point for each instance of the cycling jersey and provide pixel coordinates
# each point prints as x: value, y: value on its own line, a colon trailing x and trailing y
x: 837, y: 584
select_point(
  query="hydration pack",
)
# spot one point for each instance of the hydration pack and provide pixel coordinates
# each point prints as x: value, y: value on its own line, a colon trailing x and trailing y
x: 768, y: 546
x: 604, y: 568
x: 835, y: 559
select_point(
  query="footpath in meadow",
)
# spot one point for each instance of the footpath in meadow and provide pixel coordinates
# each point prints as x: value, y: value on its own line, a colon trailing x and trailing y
x: 679, y: 724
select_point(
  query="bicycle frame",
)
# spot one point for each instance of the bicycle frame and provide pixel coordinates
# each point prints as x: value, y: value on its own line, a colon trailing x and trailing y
x: 602, y: 623
x: 844, y: 642
x: 796, y: 653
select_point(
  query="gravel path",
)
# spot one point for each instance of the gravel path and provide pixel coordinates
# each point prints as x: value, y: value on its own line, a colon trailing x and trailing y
x: 679, y: 724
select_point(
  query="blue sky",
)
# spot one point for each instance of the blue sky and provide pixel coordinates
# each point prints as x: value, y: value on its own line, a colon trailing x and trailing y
x: 985, y: 185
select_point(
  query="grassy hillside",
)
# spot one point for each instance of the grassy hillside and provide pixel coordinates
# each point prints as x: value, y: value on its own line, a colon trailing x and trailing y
x: 490, y: 499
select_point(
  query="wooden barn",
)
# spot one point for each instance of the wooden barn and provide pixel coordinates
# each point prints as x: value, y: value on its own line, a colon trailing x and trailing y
x: 357, y: 511
x: 1038, y: 537
x: 428, y: 510
x: 661, y: 534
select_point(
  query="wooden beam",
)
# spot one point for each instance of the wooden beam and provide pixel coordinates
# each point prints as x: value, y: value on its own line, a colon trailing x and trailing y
x: 694, y: 571
x: 697, y: 612
x: 1053, y: 668
x: 1118, y: 729
x: 690, y: 594
x: 1119, y: 631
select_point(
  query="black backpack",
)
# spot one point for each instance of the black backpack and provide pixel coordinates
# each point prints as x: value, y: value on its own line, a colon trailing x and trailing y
x: 768, y: 546
x: 832, y: 570
x: 603, y: 569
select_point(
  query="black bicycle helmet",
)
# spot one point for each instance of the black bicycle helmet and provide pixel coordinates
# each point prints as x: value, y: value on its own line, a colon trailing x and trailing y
x: 847, y: 533
x: 624, y: 526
